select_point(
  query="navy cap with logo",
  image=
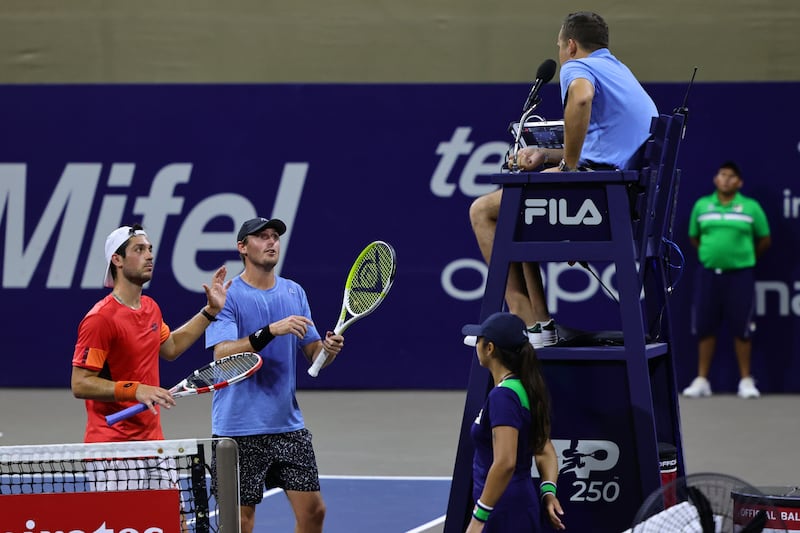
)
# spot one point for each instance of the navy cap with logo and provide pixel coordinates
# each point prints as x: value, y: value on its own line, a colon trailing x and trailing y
x: 256, y: 225
x: 505, y: 330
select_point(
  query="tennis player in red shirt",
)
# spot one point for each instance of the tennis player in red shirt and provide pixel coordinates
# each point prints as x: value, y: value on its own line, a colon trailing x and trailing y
x: 120, y: 341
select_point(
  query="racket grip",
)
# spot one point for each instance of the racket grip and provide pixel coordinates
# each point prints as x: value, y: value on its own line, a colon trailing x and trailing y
x: 119, y: 416
x: 318, y: 362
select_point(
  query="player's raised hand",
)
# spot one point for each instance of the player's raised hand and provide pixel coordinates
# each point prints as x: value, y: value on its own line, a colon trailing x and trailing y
x: 217, y: 291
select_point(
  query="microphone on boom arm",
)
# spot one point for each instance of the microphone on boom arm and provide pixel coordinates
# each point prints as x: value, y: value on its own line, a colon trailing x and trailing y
x: 544, y: 74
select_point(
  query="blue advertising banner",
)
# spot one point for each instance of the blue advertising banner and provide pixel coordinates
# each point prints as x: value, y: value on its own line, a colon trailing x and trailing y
x: 342, y: 165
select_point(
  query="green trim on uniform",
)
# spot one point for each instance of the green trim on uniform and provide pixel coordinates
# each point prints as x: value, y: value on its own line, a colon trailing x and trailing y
x: 516, y: 385
x: 727, y: 233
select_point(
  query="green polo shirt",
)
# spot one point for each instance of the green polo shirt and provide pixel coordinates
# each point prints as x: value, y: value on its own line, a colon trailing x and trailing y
x: 727, y: 233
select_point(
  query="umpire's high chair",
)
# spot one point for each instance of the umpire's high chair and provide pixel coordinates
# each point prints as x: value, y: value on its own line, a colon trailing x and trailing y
x: 612, y: 404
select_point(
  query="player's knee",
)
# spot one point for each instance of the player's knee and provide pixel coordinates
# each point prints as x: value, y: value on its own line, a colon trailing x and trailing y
x: 247, y: 524
x: 247, y: 519
x: 318, y: 512
x: 312, y: 517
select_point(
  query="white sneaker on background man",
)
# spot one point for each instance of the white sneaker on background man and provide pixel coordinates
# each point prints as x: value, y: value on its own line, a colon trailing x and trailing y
x: 700, y: 388
x: 747, y: 388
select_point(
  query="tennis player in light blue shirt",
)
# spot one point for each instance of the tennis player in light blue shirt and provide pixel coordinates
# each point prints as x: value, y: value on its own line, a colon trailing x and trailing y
x: 268, y: 314
x: 271, y: 390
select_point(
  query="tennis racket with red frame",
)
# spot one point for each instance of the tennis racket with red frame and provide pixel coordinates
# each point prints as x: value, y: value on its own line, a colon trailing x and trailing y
x: 366, y: 286
x: 213, y: 376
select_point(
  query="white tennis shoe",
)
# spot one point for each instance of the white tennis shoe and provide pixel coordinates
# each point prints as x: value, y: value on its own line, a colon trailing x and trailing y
x: 700, y: 388
x: 543, y: 334
x: 747, y: 388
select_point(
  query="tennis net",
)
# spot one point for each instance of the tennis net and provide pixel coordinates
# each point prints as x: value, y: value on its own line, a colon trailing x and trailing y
x: 144, y: 486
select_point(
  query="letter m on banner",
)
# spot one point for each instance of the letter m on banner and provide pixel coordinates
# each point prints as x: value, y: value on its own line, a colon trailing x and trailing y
x: 63, y: 220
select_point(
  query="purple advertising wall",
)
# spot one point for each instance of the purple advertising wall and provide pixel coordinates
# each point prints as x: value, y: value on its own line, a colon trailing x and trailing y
x: 342, y: 165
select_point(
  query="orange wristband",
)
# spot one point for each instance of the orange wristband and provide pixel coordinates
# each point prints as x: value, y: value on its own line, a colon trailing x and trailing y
x: 125, y: 391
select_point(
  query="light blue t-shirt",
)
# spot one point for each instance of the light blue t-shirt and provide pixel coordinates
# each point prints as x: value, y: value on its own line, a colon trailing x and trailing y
x: 622, y: 111
x: 264, y: 403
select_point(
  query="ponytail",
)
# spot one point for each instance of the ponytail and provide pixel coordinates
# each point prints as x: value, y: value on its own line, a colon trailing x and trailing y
x: 525, y: 364
x: 530, y: 374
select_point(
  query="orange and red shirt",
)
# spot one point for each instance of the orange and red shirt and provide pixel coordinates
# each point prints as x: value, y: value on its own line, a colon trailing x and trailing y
x: 122, y: 344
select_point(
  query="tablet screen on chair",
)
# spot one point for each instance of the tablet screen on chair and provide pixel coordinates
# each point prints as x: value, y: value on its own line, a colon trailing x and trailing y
x: 540, y: 134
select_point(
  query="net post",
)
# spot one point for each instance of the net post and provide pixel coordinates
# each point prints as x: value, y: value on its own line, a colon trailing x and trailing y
x: 227, y: 455
x: 198, y: 469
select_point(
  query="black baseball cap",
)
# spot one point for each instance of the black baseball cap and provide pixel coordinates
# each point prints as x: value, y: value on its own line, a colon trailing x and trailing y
x: 505, y: 330
x: 255, y: 225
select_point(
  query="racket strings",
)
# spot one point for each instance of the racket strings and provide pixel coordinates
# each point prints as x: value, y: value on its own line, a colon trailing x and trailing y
x: 226, y: 369
x: 373, y: 275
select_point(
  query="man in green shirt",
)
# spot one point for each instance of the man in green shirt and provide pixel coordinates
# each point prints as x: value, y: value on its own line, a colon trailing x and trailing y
x: 729, y: 231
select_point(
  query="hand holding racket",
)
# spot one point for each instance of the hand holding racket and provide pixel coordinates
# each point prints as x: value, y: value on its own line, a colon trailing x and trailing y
x: 213, y: 376
x: 367, y: 284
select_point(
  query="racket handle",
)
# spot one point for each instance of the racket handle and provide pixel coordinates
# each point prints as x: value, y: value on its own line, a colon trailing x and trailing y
x: 119, y: 416
x: 318, y: 362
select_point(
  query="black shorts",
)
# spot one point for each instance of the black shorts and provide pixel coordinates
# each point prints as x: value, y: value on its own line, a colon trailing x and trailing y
x: 723, y: 296
x: 282, y: 460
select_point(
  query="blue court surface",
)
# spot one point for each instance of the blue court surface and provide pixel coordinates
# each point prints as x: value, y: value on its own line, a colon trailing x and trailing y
x: 385, y: 504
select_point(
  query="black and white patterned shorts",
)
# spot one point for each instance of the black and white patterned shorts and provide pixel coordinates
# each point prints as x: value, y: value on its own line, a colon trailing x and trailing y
x: 283, y: 460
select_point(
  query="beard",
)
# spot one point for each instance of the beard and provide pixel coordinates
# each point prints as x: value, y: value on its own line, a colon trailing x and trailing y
x: 265, y: 260
x: 139, y: 277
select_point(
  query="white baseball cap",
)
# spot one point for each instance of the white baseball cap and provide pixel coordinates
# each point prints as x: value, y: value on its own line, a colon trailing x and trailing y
x: 115, y: 239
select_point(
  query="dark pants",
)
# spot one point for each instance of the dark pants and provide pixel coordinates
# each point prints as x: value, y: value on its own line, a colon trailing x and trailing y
x: 723, y: 296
